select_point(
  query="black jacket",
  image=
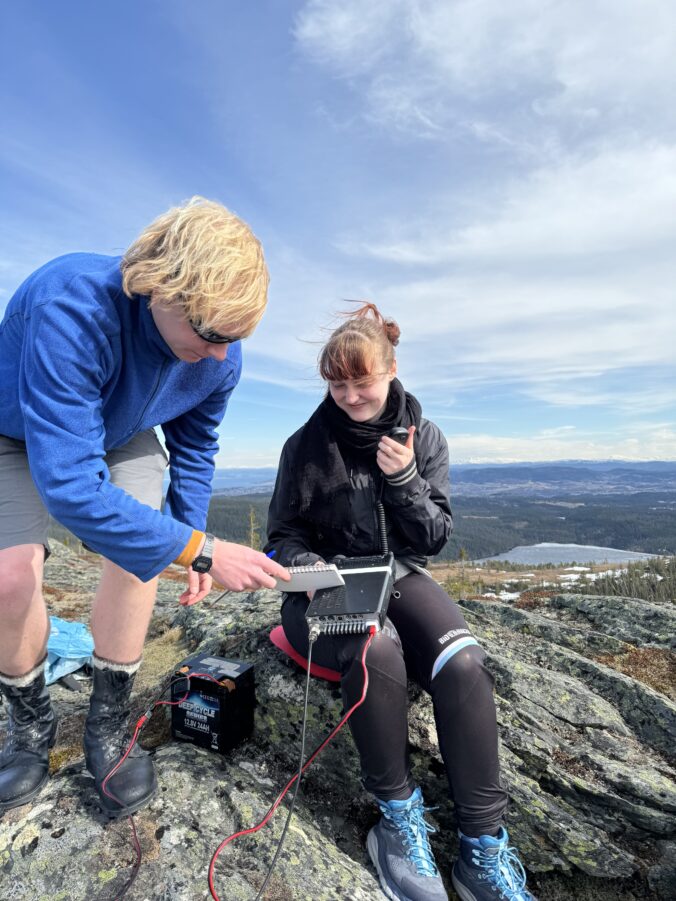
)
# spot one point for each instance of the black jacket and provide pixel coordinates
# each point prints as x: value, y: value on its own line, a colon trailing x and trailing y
x: 419, y: 520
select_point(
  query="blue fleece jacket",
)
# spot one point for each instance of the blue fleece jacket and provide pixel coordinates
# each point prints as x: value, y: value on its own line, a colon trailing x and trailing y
x: 83, y: 369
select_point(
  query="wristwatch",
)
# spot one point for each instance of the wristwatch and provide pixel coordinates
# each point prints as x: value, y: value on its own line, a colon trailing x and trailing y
x: 202, y: 563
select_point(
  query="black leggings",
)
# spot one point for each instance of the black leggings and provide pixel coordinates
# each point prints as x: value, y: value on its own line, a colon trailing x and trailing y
x: 425, y: 638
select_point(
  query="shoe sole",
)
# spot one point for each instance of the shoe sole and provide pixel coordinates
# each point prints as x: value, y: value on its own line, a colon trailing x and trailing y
x: 26, y: 799
x: 461, y: 891
x: 127, y: 811
x: 372, y: 848
x: 115, y: 813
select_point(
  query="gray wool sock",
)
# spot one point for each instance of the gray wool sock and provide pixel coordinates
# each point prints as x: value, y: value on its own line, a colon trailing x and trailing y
x: 103, y: 663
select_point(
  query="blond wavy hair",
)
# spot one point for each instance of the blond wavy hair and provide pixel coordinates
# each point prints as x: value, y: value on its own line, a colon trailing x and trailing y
x: 202, y: 258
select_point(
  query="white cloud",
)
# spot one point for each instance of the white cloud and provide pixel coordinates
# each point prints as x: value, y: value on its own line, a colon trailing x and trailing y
x: 588, y: 65
x: 562, y: 340
x: 622, y: 200
x: 653, y: 443
x: 553, y: 270
x: 529, y: 255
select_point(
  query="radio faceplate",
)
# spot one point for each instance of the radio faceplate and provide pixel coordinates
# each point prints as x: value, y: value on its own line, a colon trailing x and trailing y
x: 358, y: 605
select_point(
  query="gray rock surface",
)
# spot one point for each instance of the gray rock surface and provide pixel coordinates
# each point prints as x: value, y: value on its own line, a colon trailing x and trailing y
x: 637, y: 622
x: 587, y: 754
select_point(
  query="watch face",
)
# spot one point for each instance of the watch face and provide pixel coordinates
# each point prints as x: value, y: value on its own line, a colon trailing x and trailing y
x: 202, y: 563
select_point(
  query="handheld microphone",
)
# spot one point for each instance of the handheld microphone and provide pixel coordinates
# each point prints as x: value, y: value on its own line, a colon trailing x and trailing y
x: 398, y: 434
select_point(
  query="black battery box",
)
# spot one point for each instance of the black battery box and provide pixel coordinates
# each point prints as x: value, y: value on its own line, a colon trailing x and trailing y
x: 215, y: 715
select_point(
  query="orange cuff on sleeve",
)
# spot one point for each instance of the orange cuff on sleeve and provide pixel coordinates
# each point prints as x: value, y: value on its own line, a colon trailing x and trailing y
x: 189, y: 552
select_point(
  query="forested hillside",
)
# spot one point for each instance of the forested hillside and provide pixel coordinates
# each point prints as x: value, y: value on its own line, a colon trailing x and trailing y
x: 625, y: 506
x: 488, y: 525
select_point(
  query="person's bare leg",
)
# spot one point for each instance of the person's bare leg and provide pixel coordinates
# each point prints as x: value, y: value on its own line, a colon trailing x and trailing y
x: 24, y: 629
x: 24, y: 625
x: 121, y: 614
x: 122, y: 609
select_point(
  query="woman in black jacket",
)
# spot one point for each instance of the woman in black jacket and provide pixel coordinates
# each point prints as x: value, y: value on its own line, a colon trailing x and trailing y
x: 332, y: 474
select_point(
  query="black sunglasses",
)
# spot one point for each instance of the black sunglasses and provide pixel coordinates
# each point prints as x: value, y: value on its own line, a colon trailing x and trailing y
x: 207, y: 334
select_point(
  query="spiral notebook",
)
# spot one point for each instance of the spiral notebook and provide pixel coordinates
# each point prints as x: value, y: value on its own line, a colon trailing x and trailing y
x: 310, y: 578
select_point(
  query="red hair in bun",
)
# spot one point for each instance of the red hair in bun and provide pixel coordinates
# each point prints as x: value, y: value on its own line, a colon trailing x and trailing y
x: 361, y: 347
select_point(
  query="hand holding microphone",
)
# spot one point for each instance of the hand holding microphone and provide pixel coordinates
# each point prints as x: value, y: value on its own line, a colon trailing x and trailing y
x: 395, y: 450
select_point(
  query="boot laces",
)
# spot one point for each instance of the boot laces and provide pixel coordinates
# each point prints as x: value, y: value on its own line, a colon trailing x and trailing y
x: 23, y: 728
x: 414, y: 829
x: 27, y: 713
x: 504, y: 870
x: 116, y: 744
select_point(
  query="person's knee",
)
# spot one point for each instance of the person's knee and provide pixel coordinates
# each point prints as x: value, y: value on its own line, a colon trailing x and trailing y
x: 386, y: 673
x: 386, y: 656
x: 115, y: 579
x: 460, y: 672
x: 467, y: 662
x: 20, y: 577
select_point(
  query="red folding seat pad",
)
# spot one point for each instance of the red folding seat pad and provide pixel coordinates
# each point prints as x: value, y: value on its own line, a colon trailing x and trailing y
x: 279, y: 639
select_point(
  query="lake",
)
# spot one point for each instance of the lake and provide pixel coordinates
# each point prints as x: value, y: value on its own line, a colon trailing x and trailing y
x: 559, y: 554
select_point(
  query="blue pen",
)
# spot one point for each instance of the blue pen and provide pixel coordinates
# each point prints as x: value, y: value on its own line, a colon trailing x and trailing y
x: 271, y: 553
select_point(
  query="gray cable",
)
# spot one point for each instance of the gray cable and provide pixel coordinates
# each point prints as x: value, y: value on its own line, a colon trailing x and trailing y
x: 313, y: 638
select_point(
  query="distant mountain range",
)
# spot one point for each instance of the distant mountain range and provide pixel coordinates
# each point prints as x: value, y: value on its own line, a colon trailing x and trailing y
x: 569, y: 477
x: 245, y: 481
x: 565, y: 477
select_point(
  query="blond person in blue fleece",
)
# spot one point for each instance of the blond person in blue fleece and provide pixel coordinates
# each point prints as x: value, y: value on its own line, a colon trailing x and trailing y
x: 95, y: 352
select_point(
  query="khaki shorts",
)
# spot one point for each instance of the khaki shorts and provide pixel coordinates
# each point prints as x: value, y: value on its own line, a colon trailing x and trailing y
x: 138, y: 468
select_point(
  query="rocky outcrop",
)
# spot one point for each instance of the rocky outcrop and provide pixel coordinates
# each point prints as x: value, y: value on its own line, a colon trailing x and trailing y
x: 587, y: 754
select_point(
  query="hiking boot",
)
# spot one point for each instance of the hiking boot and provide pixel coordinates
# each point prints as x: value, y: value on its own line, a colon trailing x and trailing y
x: 489, y: 870
x: 401, y: 853
x: 31, y: 732
x: 106, y: 739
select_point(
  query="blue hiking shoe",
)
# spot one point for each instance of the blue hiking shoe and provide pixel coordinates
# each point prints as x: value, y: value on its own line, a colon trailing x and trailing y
x: 489, y: 870
x: 401, y: 853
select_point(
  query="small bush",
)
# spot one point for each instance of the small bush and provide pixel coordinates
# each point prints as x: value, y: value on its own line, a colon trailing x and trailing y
x: 649, y: 580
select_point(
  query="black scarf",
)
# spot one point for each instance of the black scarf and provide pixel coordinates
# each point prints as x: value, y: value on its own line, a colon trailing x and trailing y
x: 321, y: 481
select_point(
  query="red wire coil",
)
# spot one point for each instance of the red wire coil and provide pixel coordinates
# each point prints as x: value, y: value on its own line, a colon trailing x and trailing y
x: 286, y: 788
x: 280, y: 797
x: 104, y: 785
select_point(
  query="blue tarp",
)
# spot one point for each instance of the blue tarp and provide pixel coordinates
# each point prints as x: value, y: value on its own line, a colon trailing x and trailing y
x: 69, y: 647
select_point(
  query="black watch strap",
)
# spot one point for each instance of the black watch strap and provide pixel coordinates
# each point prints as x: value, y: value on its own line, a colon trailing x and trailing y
x: 202, y: 563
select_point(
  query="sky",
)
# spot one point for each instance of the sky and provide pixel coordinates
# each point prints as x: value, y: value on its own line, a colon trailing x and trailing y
x: 500, y: 178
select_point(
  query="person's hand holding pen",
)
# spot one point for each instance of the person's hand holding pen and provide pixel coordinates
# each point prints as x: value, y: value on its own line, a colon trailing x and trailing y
x: 241, y: 568
x: 237, y: 568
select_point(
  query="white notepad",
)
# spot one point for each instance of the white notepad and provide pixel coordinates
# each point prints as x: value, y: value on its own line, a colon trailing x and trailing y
x: 310, y: 578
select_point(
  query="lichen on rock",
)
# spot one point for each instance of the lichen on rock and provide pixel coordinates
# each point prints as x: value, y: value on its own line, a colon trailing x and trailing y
x: 586, y: 750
